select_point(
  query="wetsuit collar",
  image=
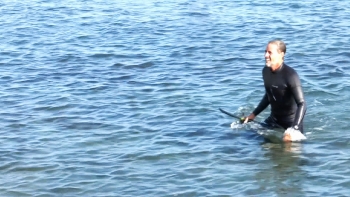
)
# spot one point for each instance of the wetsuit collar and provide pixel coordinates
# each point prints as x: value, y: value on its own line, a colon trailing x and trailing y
x: 278, y: 69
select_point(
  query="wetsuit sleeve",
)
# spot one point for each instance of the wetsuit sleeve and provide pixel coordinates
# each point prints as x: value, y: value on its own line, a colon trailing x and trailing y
x: 262, y: 105
x: 299, y: 99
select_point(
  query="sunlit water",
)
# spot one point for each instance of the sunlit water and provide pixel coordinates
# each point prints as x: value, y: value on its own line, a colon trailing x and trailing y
x: 121, y: 98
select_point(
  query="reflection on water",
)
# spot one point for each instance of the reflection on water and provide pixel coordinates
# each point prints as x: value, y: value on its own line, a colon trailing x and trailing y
x: 282, y: 174
x: 279, y: 171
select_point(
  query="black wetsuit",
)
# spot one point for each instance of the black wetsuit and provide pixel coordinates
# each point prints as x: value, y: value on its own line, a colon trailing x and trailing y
x: 284, y: 93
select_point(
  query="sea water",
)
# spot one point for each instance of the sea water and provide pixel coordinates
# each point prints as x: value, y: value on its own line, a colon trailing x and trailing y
x: 121, y: 98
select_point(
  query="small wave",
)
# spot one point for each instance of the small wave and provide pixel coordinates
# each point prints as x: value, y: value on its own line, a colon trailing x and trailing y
x: 197, y: 14
x: 346, y: 54
x: 295, y: 6
x: 102, y: 55
x: 118, y: 65
x: 134, y: 66
x: 337, y: 72
x: 124, y: 77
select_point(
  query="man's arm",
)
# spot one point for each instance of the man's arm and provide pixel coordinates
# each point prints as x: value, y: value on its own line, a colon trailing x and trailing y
x: 293, y: 133
x: 262, y: 105
x: 297, y: 92
x: 299, y: 99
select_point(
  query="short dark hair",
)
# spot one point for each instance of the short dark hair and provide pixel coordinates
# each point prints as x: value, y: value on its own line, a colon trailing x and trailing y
x: 280, y: 44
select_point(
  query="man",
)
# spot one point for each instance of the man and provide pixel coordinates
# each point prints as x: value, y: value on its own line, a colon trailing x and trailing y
x: 283, y: 92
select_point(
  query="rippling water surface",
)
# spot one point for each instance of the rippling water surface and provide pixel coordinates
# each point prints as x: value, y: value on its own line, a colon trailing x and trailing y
x: 121, y: 98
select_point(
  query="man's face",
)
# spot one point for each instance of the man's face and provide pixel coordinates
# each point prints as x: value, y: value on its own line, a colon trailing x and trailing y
x: 273, y: 57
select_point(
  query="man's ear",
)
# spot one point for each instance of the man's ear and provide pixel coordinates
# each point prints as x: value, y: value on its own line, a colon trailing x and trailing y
x: 282, y: 54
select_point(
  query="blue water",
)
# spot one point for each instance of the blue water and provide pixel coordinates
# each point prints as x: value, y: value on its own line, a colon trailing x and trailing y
x: 121, y: 98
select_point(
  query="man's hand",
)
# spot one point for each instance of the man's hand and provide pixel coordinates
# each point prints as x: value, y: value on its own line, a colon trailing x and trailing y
x: 250, y: 117
x: 292, y: 135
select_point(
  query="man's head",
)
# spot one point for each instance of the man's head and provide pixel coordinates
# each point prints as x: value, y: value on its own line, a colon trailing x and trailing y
x: 274, y: 54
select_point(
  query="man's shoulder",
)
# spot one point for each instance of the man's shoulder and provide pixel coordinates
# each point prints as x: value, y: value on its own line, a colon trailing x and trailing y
x: 291, y: 75
x: 265, y: 68
x: 289, y: 70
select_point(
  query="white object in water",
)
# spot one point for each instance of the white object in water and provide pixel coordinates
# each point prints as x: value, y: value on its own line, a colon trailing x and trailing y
x: 294, y: 135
